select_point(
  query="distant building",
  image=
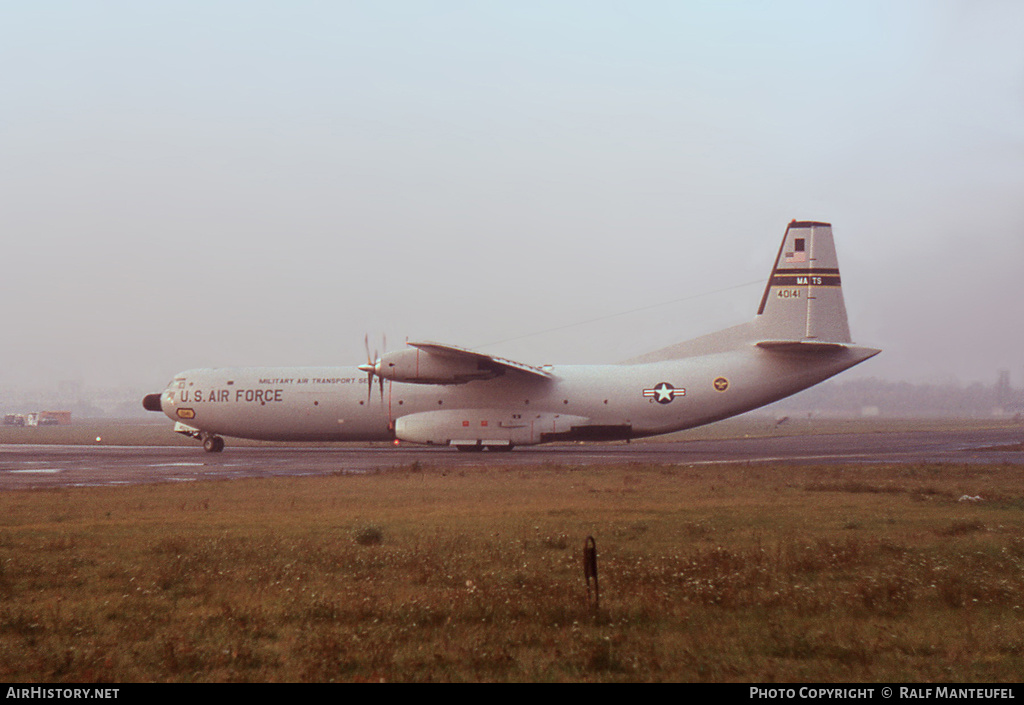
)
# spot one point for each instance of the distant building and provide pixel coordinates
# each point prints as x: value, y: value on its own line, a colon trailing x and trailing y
x: 39, y: 418
x: 54, y: 418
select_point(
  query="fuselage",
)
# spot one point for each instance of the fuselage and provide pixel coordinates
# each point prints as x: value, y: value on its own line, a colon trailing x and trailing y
x: 577, y: 402
x: 442, y: 394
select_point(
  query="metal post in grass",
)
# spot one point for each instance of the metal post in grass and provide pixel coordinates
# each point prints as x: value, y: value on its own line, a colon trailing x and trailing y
x: 590, y: 569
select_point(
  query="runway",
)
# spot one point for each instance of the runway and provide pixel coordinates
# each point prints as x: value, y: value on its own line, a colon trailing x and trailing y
x: 39, y: 466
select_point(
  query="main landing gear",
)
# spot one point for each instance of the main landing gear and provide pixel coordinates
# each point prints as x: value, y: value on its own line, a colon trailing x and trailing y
x: 493, y: 448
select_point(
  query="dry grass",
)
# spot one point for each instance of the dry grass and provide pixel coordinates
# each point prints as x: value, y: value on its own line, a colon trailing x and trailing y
x: 739, y: 573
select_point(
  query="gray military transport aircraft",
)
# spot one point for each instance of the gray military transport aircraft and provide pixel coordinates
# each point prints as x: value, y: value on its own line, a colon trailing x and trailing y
x: 444, y: 395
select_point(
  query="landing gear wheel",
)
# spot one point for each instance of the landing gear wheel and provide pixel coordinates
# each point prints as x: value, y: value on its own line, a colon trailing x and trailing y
x: 469, y: 449
x: 213, y: 444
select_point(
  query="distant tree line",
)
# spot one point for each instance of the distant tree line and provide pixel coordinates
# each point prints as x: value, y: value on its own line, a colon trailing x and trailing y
x: 887, y: 398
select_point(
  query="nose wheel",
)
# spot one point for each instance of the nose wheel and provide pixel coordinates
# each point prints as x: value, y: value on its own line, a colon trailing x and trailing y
x: 213, y: 444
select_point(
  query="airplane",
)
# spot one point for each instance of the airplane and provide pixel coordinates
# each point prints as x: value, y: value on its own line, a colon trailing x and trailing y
x: 443, y: 395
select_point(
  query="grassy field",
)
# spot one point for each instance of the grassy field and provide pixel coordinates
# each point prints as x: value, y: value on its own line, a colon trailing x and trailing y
x: 726, y: 573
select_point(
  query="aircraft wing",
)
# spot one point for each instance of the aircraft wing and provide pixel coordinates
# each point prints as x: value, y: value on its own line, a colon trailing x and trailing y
x: 498, y: 364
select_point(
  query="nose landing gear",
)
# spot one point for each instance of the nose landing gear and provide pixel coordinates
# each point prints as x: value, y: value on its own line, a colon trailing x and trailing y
x: 213, y: 444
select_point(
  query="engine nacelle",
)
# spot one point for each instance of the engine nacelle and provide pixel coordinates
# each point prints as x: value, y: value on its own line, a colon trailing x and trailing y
x: 422, y: 367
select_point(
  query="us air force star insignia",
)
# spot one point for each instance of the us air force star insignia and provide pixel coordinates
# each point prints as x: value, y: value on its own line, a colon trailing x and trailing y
x: 721, y: 384
x: 664, y: 393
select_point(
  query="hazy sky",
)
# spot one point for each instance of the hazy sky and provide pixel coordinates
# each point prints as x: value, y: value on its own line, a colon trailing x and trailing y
x: 188, y: 184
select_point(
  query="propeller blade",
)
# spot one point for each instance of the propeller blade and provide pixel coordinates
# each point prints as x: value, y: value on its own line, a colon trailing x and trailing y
x: 371, y: 368
x: 368, y: 368
x: 384, y: 337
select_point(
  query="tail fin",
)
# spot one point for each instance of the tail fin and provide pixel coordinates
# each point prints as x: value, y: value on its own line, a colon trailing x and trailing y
x: 803, y: 300
x: 802, y: 308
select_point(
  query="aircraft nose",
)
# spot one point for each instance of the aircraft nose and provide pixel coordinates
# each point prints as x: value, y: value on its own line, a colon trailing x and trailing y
x: 151, y: 402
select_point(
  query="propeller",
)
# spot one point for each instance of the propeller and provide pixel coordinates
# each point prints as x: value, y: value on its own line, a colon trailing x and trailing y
x: 372, y: 368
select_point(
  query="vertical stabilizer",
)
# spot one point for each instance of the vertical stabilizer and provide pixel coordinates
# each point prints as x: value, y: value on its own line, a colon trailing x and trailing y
x: 803, y: 300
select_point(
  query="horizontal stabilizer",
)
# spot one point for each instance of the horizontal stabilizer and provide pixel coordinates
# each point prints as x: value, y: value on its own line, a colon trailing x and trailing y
x: 852, y: 354
x: 811, y: 346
